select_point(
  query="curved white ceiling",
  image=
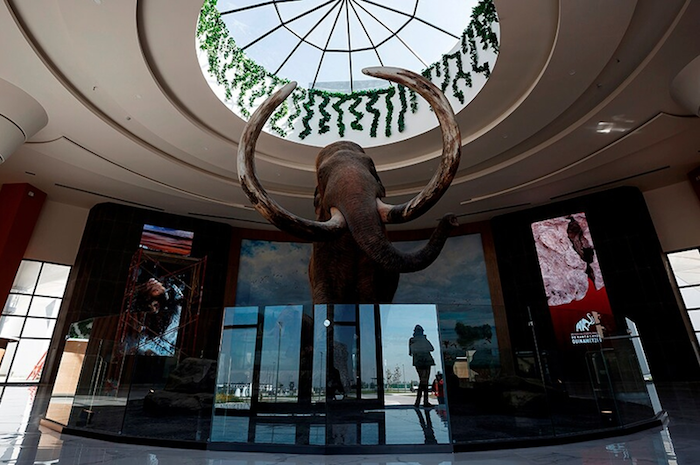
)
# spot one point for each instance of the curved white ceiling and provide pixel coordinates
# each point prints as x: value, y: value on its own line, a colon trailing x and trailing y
x: 579, y: 101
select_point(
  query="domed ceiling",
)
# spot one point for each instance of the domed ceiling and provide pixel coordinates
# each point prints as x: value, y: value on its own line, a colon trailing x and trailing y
x: 578, y: 99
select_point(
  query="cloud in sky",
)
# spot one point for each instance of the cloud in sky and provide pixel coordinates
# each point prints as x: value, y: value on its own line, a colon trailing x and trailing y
x: 275, y: 273
x: 458, y: 276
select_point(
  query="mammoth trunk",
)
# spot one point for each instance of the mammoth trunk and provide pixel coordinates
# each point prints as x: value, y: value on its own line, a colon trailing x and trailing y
x: 370, y: 235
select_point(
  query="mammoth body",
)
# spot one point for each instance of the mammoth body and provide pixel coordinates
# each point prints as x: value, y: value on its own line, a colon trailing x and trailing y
x: 353, y: 261
x: 340, y: 272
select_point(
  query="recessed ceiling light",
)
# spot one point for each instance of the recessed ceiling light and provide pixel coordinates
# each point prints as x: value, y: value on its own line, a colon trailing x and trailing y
x: 604, y: 127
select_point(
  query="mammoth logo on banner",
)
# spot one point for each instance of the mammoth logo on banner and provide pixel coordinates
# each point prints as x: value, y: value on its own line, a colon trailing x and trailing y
x: 576, y: 295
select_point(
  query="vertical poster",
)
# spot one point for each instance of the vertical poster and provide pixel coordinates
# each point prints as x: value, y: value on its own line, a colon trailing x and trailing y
x: 576, y: 295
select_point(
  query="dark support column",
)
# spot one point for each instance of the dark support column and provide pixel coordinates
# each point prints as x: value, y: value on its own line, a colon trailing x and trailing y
x: 20, y: 205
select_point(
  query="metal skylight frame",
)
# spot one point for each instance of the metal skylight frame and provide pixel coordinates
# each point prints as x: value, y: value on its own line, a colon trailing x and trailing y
x: 341, y: 5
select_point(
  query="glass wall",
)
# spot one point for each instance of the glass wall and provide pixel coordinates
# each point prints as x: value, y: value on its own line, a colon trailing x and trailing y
x: 338, y: 377
x: 139, y: 395
x: 28, y: 319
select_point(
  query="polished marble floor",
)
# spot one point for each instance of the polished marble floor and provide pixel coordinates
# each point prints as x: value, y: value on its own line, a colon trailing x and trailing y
x: 24, y: 441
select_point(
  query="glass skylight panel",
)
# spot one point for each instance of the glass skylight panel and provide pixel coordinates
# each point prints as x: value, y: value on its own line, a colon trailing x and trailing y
x: 330, y: 41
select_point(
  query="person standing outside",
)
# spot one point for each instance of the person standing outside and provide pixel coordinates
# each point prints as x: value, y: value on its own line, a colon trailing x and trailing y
x: 419, y: 347
x: 439, y: 388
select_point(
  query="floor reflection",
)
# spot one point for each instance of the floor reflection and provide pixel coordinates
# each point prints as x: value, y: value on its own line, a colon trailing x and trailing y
x: 23, y: 441
x: 400, y: 425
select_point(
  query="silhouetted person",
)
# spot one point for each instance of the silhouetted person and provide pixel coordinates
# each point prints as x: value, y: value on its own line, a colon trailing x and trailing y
x: 419, y: 347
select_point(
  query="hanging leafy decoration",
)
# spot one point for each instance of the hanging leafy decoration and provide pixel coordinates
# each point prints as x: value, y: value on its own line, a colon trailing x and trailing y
x: 245, y: 82
x: 277, y: 116
x: 308, y: 107
x: 370, y: 108
x: 325, y: 116
x: 404, y: 106
x: 355, y: 124
x: 297, y: 96
x: 389, y: 110
x: 340, y: 114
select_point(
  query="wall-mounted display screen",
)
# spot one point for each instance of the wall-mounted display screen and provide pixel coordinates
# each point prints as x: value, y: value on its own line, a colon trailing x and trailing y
x: 175, y: 241
x: 155, y: 310
x: 576, y: 295
x: 162, y: 298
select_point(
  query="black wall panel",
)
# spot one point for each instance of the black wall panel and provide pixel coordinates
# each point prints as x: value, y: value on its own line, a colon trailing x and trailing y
x: 632, y: 264
x: 112, y: 235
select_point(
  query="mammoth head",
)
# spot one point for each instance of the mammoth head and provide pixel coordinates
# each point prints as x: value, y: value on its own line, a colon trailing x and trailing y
x: 342, y: 167
x: 328, y: 228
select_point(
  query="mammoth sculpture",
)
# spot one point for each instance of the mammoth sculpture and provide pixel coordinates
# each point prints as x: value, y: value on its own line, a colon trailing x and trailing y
x: 353, y: 261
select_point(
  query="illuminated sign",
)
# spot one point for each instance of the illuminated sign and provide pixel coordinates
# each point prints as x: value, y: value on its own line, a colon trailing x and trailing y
x: 576, y: 294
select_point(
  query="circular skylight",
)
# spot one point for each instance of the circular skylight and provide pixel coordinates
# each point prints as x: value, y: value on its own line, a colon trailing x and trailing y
x: 324, y: 44
x: 248, y: 49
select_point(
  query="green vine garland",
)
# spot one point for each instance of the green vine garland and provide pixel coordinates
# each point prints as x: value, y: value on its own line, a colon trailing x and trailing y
x: 355, y: 124
x: 247, y: 81
x: 325, y: 116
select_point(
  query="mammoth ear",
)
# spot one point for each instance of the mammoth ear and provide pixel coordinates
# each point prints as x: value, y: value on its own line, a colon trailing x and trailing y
x: 373, y: 172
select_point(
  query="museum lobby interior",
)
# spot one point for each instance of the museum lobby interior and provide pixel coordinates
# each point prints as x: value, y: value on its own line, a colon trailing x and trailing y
x: 175, y: 282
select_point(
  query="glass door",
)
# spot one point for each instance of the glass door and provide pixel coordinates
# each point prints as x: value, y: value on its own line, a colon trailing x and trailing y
x: 347, y: 335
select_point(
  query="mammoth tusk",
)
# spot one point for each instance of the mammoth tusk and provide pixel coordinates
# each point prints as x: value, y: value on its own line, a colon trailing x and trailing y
x: 451, y: 145
x: 258, y: 196
x: 337, y: 219
x: 383, y: 209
